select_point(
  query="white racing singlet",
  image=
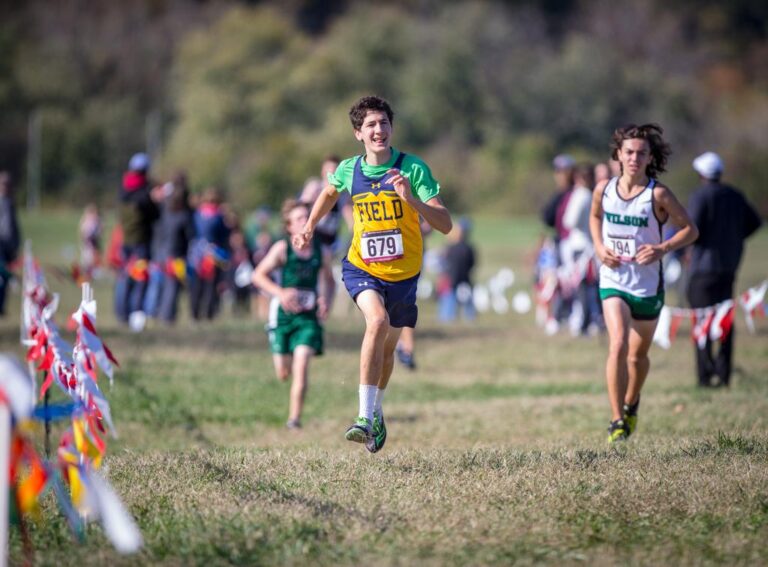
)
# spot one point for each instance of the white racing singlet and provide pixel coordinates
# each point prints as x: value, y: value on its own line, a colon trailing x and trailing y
x: 627, y: 225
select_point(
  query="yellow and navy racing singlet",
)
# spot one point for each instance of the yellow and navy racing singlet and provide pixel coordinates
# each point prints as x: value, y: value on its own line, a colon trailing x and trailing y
x: 387, y: 240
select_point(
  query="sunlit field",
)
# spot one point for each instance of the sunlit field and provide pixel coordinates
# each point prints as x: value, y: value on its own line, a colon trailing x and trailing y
x: 496, y: 453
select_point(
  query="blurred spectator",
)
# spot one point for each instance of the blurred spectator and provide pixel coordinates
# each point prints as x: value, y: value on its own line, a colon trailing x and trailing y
x: 724, y: 219
x: 157, y: 253
x: 459, y: 260
x: 552, y: 213
x: 90, y: 229
x: 602, y: 172
x: 552, y: 216
x: 137, y: 214
x: 405, y: 350
x: 615, y: 167
x: 209, y: 255
x: 115, y: 258
x: 259, y: 240
x: 10, y: 237
x: 239, y: 272
x: 579, y: 274
x: 546, y: 284
x: 176, y: 230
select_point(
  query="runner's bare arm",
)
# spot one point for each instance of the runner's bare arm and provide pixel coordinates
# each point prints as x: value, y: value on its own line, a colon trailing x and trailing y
x: 275, y: 259
x: 688, y: 233
x: 326, y: 200
x: 433, y: 211
x: 605, y: 255
x: 327, y: 287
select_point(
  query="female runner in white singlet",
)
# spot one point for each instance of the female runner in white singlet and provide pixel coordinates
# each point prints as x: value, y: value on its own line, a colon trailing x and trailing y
x: 626, y: 221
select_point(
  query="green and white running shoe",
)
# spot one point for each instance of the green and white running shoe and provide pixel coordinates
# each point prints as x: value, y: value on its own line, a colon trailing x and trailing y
x: 617, y: 431
x: 360, y: 431
x: 376, y: 442
x: 630, y: 416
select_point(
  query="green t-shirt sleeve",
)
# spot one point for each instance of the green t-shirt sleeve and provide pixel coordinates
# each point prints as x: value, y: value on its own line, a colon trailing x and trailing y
x: 423, y: 184
x: 341, y: 179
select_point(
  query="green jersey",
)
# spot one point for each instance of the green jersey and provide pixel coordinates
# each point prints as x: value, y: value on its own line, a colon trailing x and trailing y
x: 423, y: 185
x: 302, y: 274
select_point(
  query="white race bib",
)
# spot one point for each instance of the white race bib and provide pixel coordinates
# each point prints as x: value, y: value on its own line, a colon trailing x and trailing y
x: 381, y: 245
x: 307, y: 299
x: 623, y: 246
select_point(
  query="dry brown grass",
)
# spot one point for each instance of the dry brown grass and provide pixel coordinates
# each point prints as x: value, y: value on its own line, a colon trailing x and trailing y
x: 496, y: 454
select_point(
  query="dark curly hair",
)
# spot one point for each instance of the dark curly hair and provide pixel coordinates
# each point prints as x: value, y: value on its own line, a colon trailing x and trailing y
x: 366, y: 104
x: 660, y: 149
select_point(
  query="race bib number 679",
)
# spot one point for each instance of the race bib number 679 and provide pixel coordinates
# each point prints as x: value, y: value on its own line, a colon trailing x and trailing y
x: 381, y: 245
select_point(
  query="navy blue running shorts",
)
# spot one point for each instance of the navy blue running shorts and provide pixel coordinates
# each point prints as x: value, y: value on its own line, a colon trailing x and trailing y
x: 399, y: 297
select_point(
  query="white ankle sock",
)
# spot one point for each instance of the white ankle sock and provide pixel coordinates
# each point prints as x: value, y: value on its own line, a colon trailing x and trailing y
x: 367, y: 401
x: 379, y: 399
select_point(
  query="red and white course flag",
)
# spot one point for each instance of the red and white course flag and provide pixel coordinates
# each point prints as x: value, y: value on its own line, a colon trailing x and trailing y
x: 702, y: 321
x: 750, y: 301
x: 722, y: 321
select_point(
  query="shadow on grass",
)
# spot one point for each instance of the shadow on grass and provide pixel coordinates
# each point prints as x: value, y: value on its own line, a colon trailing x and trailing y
x: 186, y: 417
x: 202, y: 338
x: 9, y: 335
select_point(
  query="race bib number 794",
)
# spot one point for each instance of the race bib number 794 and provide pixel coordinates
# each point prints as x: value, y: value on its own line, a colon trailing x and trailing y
x: 381, y: 245
x: 623, y: 246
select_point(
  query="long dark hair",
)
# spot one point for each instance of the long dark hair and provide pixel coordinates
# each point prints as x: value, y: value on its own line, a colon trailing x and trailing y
x: 660, y: 149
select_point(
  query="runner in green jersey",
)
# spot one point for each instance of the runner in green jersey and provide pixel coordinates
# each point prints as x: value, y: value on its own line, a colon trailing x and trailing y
x: 294, y: 329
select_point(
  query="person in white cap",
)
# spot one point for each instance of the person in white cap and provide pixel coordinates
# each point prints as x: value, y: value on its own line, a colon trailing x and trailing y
x: 725, y: 219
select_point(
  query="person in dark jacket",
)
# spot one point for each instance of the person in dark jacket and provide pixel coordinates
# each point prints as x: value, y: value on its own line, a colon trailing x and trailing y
x: 10, y: 238
x: 209, y: 255
x: 176, y: 230
x: 459, y: 263
x: 725, y: 219
x: 137, y: 212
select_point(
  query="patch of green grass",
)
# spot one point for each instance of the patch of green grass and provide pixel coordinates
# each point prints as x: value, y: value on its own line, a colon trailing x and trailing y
x: 496, y: 451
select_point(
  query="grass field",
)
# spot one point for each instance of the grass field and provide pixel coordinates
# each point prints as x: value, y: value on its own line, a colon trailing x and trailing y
x: 496, y: 450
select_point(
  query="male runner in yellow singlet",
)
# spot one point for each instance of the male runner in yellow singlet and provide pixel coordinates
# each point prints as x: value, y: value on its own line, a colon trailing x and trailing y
x: 389, y: 191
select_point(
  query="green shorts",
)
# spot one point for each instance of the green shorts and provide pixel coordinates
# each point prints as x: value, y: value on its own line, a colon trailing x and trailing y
x: 284, y: 338
x: 641, y: 308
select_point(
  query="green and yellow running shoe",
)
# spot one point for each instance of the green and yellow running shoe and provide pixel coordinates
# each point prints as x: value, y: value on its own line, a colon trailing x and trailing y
x: 617, y: 431
x: 630, y: 416
x: 360, y: 431
x: 376, y: 442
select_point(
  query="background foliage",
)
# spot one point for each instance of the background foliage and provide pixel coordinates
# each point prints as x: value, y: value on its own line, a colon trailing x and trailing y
x: 251, y: 95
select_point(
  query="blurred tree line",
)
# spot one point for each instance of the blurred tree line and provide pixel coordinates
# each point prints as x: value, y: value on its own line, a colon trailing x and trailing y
x: 250, y: 96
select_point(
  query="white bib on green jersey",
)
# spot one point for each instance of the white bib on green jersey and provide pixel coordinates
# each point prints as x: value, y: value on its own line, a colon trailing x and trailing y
x: 627, y: 225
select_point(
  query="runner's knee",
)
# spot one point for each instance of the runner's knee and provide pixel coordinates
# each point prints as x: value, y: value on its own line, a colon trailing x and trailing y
x: 636, y: 359
x: 378, y: 322
x: 617, y: 348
